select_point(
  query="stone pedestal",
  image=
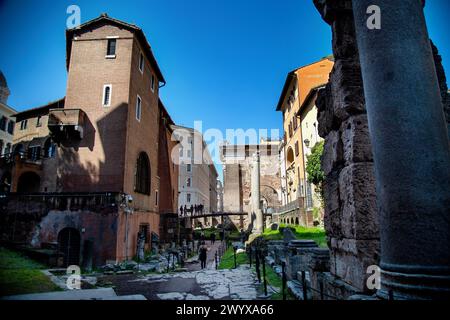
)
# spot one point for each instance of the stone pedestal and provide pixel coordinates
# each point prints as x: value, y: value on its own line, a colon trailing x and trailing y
x: 411, y: 149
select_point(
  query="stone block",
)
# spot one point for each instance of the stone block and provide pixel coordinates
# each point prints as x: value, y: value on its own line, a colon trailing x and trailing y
x: 356, y: 140
x: 352, y: 258
x: 359, y: 215
x: 332, y: 153
x: 347, y: 89
x: 332, y: 217
x: 325, y: 116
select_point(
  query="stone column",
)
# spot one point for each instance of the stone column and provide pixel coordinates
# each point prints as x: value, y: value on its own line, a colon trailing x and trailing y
x: 411, y: 149
x: 258, y: 226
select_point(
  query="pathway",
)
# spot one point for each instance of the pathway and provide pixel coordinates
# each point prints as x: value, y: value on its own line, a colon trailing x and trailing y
x: 194, y: 284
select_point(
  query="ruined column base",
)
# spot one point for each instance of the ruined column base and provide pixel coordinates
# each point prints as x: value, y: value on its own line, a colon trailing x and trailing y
x: 403, y: 286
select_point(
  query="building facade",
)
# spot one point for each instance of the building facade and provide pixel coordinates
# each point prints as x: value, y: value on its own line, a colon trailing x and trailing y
x: 237, y: 161
x: 197, y: 173
x: 100, y: 152
x: 7, y: 124
x: 310, y: 138
x: 294, y: 97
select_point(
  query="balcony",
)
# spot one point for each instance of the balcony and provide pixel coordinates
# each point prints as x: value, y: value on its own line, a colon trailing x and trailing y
x: 66, y: 124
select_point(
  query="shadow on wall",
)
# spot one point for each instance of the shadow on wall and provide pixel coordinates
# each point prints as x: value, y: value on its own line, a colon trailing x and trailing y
x: 96, y: 163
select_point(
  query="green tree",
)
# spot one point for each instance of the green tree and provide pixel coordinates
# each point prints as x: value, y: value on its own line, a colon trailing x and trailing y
x: 314, y: 170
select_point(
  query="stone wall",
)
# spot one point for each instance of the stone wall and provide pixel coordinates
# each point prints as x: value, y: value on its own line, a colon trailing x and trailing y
x: 351, y: 218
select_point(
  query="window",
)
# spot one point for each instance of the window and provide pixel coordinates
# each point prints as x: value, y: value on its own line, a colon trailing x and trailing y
x: 181, y: 151
x: 142, y: 174
x: 8, y: 148
x: 156, y: 198
x: 23, y: 124
x: 3, y: 122
x: 189, y: 168
x: 189, y: 154
x: 107, y: 88
x: 34, y: 153
x: 290, y: 130
x: 141, y: 63
x: 39, y: 121
x: 188, y: 182
x: 295, y: 123
x: 111, y: 49
x: 49, y: 149
x: 188, y: 198
x: 11, y: 127
x: 153, y: 83
x: 138, y: 108
x: 297, y: 149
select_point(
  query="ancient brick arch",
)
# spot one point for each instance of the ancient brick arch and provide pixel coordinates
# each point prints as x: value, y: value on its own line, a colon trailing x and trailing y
x: 271, y: 196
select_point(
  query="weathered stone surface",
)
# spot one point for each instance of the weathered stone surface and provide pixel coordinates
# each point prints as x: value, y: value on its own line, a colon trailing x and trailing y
x: 332, y: 218
x: 346, y: 88
x: 325, y: 114
x: 332, y: 157
x: 356, y: 140
x: 359, y: 208
x: 352, y: 258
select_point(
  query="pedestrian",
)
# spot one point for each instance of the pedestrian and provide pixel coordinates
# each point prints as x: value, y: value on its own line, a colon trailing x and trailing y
x: 185, y: 210
x: 181, y: 210
x: 213, y: 238
x: 192, y: 210
x: 203, y: 254
x: 222, y: 235
x: 195, y: 209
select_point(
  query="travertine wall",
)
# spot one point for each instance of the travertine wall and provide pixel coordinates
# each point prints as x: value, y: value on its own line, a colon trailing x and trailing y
x: 351, y: 218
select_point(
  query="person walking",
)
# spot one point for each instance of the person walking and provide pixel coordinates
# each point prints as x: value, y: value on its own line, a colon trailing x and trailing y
x: 213, y: 238
x: 181, y: 211
x: 203, y: 255
x: 185, y: 210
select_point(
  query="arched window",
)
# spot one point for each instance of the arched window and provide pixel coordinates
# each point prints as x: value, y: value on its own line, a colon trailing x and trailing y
x: 142, y: 175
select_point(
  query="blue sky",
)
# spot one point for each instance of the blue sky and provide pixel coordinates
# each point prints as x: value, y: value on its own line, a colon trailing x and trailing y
x: 225, y: 61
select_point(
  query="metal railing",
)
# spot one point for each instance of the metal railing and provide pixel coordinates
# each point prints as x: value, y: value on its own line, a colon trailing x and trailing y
x: 67, y: 201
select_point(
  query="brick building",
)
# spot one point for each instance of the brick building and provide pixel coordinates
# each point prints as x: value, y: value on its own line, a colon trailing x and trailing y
x: 91, y: 164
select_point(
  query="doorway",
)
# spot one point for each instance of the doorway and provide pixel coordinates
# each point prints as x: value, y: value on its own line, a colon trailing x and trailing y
x: 69, y: 246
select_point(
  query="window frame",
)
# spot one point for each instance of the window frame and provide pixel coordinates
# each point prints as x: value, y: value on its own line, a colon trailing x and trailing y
x: 141, y: 64
x: 23, y: 125
x: 109, y: 40
x: 105, y: 86
x: 138, y: 103
x: 10, y: 127
x: 152, y: 82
